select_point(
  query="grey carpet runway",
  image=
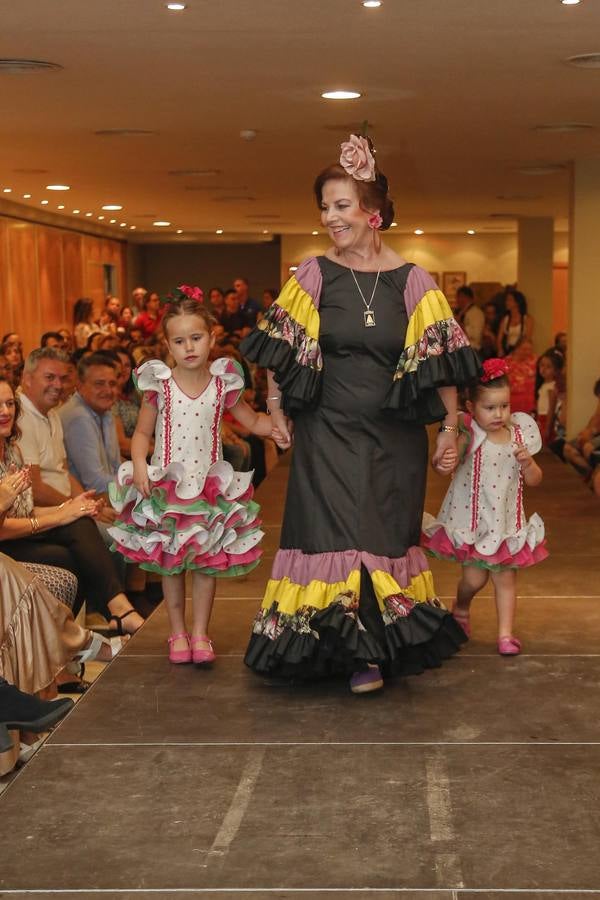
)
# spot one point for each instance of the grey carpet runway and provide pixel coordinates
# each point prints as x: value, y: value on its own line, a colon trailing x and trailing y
x: 477, y: 780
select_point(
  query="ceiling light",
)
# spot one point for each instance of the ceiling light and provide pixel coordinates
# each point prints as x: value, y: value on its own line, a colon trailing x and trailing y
x: 340, y: 95
x: 76, y: 211
x: 123, y: 225
x: 161, y: 224
x: 58, y: 187
x: 7, y: 191
x: 372, y: 4
x: 132, y: 227
x: 176, y: 7
x: 88, y: 214
x: 471, y: 231
x: 560, y: 127
x: 44, y: 202
x: 179, y: 231
x: 419, y: 231
x: 219, y: 231
x: 100, y: 218
x: 570, y: 2
x: 315, y: 232
x: 265, y: 231
x: 26, y: 196
x: 112, y: 206
x: 113, y: 221
x: 61, y: 206
x: 293, y: 269
x: 394, y: 225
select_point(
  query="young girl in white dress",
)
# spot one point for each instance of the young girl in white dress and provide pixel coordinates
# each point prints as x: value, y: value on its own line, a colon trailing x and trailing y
x: 482, y: 522
x: 188, y: 510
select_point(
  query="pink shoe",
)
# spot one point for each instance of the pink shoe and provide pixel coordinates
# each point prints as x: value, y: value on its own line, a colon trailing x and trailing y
x: 462, y: 618
x: 509, y: 646
x: 201, y: 654
x: 180, y: 656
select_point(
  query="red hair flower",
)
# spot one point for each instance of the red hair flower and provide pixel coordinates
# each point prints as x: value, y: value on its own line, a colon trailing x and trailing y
x: 375, y: 221
x: 194, y: 293
x: 493, y: 368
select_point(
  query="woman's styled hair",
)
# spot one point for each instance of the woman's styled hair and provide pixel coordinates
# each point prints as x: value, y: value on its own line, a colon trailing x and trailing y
x: 519, y: 300
x: 82, y: 310
x: 372, y: 195
x: 15, y: 431
x: 187, y: 307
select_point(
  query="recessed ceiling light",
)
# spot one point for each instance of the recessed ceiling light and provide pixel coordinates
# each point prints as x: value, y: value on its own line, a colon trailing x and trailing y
x: 58, y: 187
x: 61, y: 206
x: 419, y: 231
x: 179, y: 231
x: 293, y: 268
x: 7, y: 191
x: 372, y: 4
x: 471, y: 231
x: 100, y: 218
x: 88, y: 214
x: 26, y: 196
x: 341, y: 95
x: 315, y: 232
x: 112, y: 206
x: 44, y: 202
x: 570, y: 2
x: 560, y: 127
x: 132, y: 227
x: 176, y: 7
x: 265, y: 231
x: 161, y: 224
x: 219, y: 231
x: 123, y: 225
x: 76, y: 211
x: 394, y: 225
x: 113, y: 221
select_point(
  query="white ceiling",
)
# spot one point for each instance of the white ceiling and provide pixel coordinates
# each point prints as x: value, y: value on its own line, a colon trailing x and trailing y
x: 453, y: 91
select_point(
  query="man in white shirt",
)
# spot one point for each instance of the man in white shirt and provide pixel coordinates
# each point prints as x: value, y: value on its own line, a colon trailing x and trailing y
x: 469, y: 316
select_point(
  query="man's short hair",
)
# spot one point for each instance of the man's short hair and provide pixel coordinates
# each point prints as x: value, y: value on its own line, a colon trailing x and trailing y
x: 93, y: 359
x: 47, y: 335
x: 36, y: 356
x: 466, y: 291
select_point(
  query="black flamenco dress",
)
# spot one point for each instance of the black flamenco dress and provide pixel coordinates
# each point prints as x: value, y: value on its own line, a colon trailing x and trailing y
x: 350, y: 584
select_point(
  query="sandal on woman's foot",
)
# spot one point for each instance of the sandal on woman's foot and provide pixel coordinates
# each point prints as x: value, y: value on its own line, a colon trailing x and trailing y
x: 100, y: 648
x: 201, y: 655
x: 120, y: 630
x: 462, y: 617
x: 368, y: 680
x: 180, y: 656
x: 509, y: 646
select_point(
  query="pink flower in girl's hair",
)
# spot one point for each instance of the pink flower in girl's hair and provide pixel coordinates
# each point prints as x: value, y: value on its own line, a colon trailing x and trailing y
x: 194, y: 293
x: 375, y: 221
x: 356, y: 158
x: 494, y: 368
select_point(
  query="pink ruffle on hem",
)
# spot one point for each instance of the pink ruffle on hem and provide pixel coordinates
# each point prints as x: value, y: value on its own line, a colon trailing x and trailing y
x: 439, y: 544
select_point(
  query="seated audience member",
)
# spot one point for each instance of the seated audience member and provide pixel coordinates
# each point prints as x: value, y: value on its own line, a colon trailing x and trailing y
x: 11, y: 350
x: 5, y: 368
x: 270, y: 295
x: 64, y: 535
x: 515, y: 325
x: 149, y: 319
x: 67, y: 340
x: 216, y: 300
x: 107, y: 342
x: 248, y: 307
x: 557, y: 414
x: 109, y: 320
x: 548, y: 366
x: 469, y: 316
x: 83, y: 322
x: 137, y: 299
x: 69, y: 384
x: 52, y: 339
x: 582, y: 451
x: 126, y: 319
x: 126, y: 407
x: 233, y: 320
x: 521, y: 373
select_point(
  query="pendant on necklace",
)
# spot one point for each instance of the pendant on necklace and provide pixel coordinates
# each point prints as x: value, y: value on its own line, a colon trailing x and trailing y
x: 369, y: 318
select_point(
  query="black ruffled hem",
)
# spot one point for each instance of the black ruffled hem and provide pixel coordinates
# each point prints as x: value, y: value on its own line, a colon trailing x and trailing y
x: 415, y: 396
x: 422, y: 640
x: 299, y: 384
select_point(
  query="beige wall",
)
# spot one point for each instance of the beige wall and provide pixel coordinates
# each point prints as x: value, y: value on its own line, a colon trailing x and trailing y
x: 44, y: 269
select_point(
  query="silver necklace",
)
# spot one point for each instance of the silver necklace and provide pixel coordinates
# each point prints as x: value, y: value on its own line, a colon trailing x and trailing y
x: 368, y: 313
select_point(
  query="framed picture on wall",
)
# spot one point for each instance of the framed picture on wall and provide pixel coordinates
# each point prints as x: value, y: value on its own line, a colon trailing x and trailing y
x: 435, y: 276
x: 451, y: 281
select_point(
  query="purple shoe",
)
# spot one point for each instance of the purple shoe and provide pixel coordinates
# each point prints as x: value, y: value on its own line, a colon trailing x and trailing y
x: 368, y: 680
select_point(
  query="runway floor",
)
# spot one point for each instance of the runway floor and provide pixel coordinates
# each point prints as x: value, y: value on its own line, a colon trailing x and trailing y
x: 477, y: 780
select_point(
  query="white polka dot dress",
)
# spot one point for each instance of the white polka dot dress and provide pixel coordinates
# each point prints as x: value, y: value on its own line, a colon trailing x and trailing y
x: 200, y: 514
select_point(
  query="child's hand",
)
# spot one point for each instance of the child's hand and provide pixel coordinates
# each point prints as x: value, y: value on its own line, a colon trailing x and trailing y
x: 446, y: 463
x: 141, y: 480
x: 522, y: 456
x: 284, y: 442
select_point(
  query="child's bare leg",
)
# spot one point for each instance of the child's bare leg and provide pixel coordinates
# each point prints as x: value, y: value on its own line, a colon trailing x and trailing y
x: 203, y: 594
x: 174, y: 594
x: 473, y: 579
x: 505, y: 587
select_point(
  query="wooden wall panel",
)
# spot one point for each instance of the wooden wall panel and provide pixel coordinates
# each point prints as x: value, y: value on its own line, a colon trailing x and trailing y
x: 50, y: 273
x: 6, y: 310
x: 24, y: 282
x: 73, y: 271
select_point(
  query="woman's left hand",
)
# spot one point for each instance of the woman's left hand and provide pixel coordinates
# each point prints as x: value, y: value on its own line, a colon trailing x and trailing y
x: 13, y: 484
x: 445, y: 456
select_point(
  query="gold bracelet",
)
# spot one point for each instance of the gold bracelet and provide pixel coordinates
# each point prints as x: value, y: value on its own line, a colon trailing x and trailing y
x: 452, y: 429
x: 35, y: 525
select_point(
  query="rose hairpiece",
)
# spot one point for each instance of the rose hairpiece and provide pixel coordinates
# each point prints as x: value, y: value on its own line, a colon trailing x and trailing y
x: 492, y: 369
x: 183, y: 292
x: 356, y: 158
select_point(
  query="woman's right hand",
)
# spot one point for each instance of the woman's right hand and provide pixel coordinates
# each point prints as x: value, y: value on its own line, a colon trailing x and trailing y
x: 84, y: 504
x: 140, y: 479
x: 13, y: 484
x: 283, y: 429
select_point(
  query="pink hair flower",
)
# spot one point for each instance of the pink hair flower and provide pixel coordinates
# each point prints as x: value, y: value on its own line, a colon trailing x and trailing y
x: 356, y: 158
x: 194, y: 293
x: 493, y: 368
x: 375, y: 221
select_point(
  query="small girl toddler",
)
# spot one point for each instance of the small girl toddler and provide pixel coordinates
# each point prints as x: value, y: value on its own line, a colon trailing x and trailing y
x: 188, y: 510
x: 482, y: 522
